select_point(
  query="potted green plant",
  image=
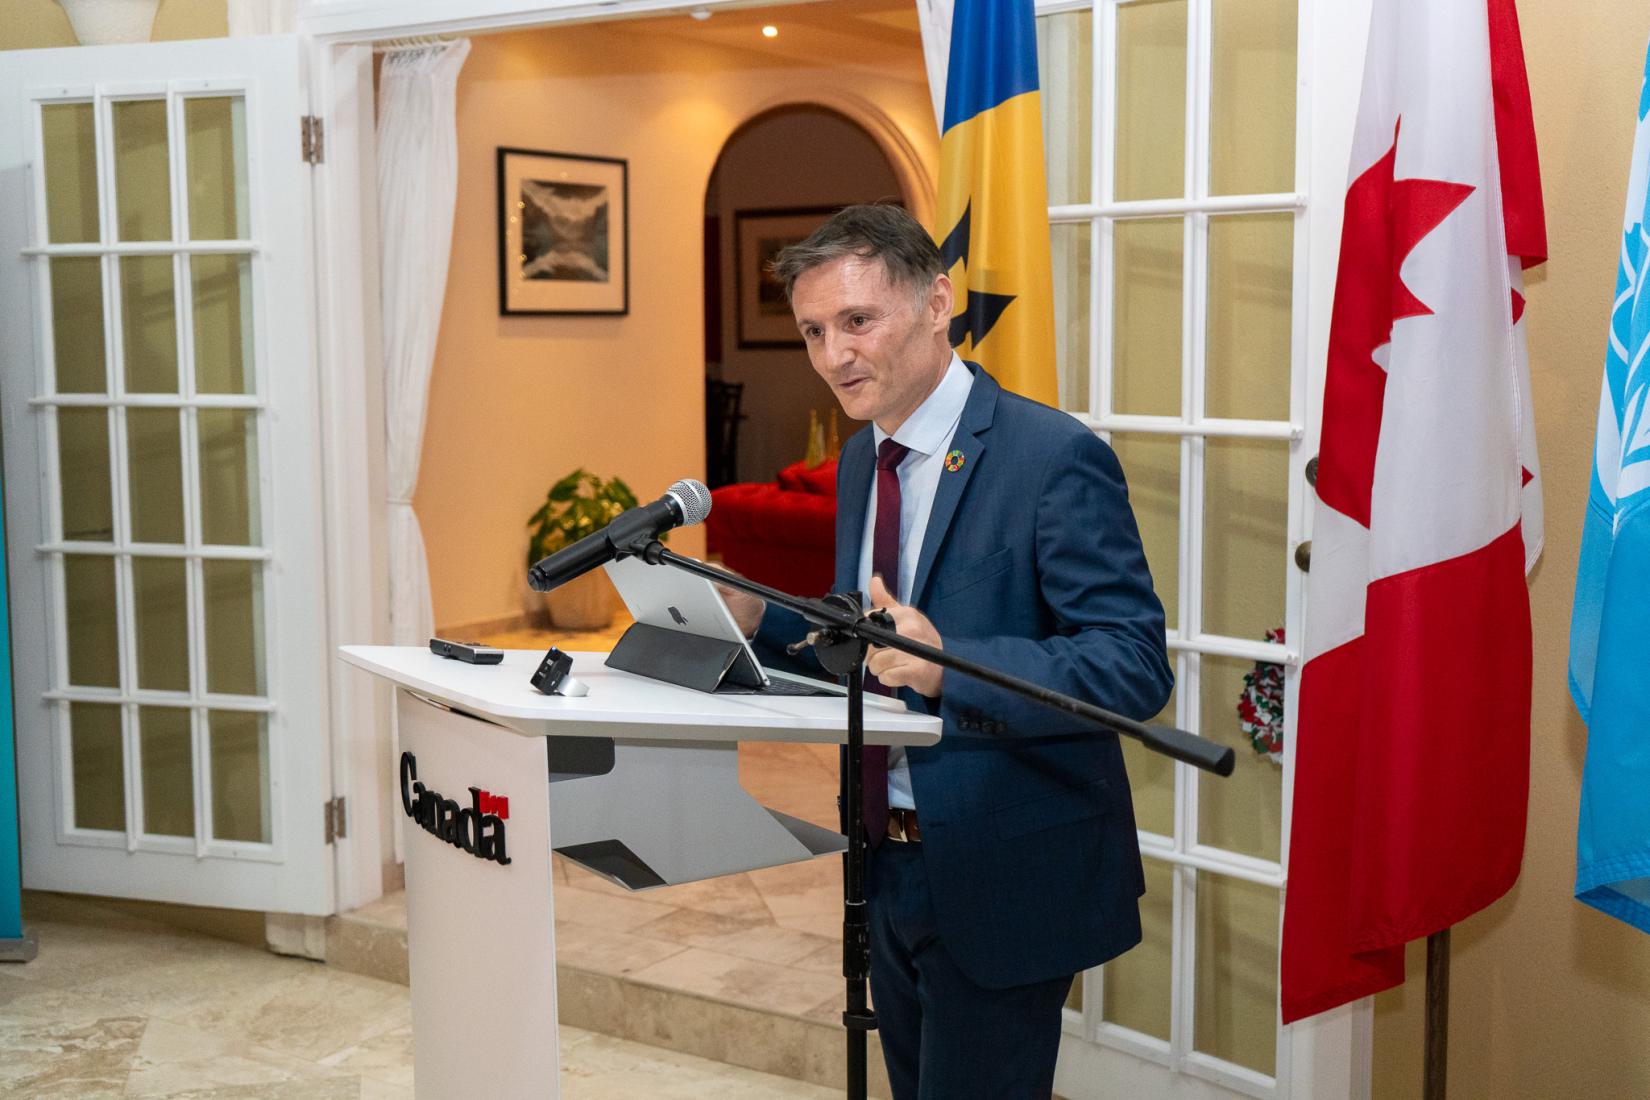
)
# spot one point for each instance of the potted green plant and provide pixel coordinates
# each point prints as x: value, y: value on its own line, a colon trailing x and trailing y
x: 579, y: 504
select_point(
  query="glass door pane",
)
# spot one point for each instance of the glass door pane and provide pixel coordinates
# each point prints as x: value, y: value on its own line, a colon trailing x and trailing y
x: 1138, y: 985
x: 221, y: 293
x: 1150, y: 158
x: 149, y: 324
x: 97, y: 765
x: 216, y: 142
x: 1237, y: 967
x: 1252, y: 97
x: 76, y: 287
x: 1069, y: 258
x: 68, y: 132
x: 143, y: 193
x: 240, y: 776
x: 168, y: 771
x: 1148, y: 258
x: 1066, y: 75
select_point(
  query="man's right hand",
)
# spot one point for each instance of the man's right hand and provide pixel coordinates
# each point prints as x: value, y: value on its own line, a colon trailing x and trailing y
x: 746, y: 608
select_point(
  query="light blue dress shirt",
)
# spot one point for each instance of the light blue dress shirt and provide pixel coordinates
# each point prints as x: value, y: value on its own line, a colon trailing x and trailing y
x: 927, y: 433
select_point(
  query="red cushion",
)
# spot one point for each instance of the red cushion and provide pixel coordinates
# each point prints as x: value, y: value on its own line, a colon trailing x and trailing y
x: 786, y: 539
x: 798, y: 477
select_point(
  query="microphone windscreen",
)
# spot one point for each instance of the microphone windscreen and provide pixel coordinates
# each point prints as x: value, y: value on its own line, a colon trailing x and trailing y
x: 694, y: 499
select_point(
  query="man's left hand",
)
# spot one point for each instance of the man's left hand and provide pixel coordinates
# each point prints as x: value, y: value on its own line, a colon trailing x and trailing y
x: 896, y: 669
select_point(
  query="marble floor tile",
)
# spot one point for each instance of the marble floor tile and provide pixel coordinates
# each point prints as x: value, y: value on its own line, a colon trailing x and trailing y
x: 175, y: 979
x: 82, y: 1058
x: 741, y: 981
x: 390, y: 911
x: 611, y: 1069
x: 175, y: 1058
x: 609, y: 952
x: 827, y: 960
x: 759, y: 940
x: 386, y: 1058
x: 313, y: 1013
x: 72, y: 953
x: 342, y: 1088
x: 619, y: 912
x: 728, y: 896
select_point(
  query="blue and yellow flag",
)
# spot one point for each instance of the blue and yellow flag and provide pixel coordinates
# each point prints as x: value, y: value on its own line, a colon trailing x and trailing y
x: 993, y: 198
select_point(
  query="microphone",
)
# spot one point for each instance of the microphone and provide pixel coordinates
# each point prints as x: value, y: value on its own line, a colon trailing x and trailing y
x: 684, y: 504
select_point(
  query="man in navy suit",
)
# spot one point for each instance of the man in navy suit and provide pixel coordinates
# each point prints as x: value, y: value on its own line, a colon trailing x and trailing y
x: 1004, y: 859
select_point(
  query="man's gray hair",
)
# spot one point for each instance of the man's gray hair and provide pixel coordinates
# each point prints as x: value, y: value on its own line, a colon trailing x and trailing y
x: 880, y: 231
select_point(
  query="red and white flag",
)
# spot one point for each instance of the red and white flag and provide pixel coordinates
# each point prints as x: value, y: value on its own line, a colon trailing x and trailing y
x: 1412, y: 748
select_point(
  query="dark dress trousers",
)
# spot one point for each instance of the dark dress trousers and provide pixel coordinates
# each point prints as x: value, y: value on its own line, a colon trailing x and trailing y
x: 1031, y: 563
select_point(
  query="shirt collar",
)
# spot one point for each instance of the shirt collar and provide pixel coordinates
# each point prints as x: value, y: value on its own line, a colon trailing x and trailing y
x: 935, y: 421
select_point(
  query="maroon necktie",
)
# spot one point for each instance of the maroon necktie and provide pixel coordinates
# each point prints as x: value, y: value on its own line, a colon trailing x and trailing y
x: 884, y: 563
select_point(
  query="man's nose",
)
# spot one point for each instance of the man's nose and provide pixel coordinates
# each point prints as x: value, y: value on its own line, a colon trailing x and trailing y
x: 839, y: 349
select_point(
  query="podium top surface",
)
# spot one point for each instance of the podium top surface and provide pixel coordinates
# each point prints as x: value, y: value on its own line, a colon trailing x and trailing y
x: 624, y: 705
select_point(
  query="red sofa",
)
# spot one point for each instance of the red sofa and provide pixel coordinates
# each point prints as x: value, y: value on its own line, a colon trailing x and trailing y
x: 780, y: 533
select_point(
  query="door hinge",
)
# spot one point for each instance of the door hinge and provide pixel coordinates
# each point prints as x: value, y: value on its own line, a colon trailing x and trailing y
x: 314, y: 133
x: 336, y: 821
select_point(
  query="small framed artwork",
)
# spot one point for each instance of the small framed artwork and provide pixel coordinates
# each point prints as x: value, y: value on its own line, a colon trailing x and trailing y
x: 563, y: 233
x: 764, y: 318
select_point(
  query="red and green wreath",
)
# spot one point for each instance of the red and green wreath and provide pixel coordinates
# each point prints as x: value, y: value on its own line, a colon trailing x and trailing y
x: 1260, y: 707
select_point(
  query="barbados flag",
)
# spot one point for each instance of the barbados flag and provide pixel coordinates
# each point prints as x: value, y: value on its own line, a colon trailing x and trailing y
x: 1609, y: 630
x: 993, y: 198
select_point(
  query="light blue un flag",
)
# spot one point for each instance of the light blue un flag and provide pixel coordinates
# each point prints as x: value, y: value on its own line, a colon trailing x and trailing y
x: 1609, y: 628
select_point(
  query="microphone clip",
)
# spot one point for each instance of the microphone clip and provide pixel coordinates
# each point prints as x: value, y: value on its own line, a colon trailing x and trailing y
x: 838, y: 651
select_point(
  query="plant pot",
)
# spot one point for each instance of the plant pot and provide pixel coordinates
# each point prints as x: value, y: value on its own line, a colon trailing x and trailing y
x: 105, y: 22
x: 584, y: 603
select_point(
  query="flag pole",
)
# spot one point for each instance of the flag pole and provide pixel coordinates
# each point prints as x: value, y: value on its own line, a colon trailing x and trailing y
x: 1433, y: 1081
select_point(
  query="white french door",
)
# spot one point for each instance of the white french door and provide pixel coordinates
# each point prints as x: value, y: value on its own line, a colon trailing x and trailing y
x: 1191, y: 192
x: 162, y: 473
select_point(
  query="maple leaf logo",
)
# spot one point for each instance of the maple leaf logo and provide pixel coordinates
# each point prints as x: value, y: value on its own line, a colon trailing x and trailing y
x: 1385, y: 219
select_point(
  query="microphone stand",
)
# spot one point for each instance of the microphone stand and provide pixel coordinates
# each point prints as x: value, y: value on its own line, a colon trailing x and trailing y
x: 846, y: 633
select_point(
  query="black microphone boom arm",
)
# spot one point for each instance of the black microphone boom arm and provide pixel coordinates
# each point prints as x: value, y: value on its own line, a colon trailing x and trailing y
x: 1178, y: 744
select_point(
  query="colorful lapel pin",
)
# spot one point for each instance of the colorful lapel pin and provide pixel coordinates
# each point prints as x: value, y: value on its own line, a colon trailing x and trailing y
x: 954, y: 461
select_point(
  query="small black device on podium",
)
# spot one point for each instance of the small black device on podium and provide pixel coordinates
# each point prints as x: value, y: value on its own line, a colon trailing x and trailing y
x: 473, y: 653
x: 554, y: 676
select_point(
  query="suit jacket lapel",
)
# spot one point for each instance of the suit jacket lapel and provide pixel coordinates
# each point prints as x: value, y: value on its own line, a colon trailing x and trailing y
x: 967, y: 445
x: 853, y: 494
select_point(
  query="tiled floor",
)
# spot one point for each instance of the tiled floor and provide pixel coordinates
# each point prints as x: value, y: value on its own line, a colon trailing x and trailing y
x: 125, y: 1008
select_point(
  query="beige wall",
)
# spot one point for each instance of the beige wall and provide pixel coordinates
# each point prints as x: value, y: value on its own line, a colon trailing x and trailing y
x: 1551, y: 998
x: 33, y: 24
x: 515, y: 402
x: 799, y: 158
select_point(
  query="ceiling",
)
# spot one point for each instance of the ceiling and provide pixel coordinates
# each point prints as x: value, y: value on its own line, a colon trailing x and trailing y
x: 881, y: 34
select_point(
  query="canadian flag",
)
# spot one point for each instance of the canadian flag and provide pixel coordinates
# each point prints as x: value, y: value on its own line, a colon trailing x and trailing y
x: 1412, y: 746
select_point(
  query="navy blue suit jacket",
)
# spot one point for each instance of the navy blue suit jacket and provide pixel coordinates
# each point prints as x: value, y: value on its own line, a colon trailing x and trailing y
x: 1031, y: 563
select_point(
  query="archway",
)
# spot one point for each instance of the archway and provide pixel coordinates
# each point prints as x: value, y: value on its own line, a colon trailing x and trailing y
x: 778, y: 175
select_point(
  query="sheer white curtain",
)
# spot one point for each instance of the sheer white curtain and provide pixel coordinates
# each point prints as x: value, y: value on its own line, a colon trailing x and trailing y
x: 417, y: 185
x: 934, y: 21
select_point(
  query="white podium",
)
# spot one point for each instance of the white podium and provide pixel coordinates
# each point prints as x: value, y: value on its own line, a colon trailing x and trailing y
x: 637, y: 781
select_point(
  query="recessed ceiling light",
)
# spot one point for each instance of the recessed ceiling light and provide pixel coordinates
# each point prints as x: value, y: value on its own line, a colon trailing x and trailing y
x: 770, y: 31
x: 700, y: 14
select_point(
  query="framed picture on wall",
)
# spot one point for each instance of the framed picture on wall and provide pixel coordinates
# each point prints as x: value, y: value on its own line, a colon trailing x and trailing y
x: 764, y: 317
x: 563, y: 233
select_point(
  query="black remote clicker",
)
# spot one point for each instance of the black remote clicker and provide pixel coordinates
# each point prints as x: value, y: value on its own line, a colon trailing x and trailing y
x: 469, y: 652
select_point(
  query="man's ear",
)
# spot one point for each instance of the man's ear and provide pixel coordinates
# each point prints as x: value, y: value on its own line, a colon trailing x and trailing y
x: 941, y: 298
